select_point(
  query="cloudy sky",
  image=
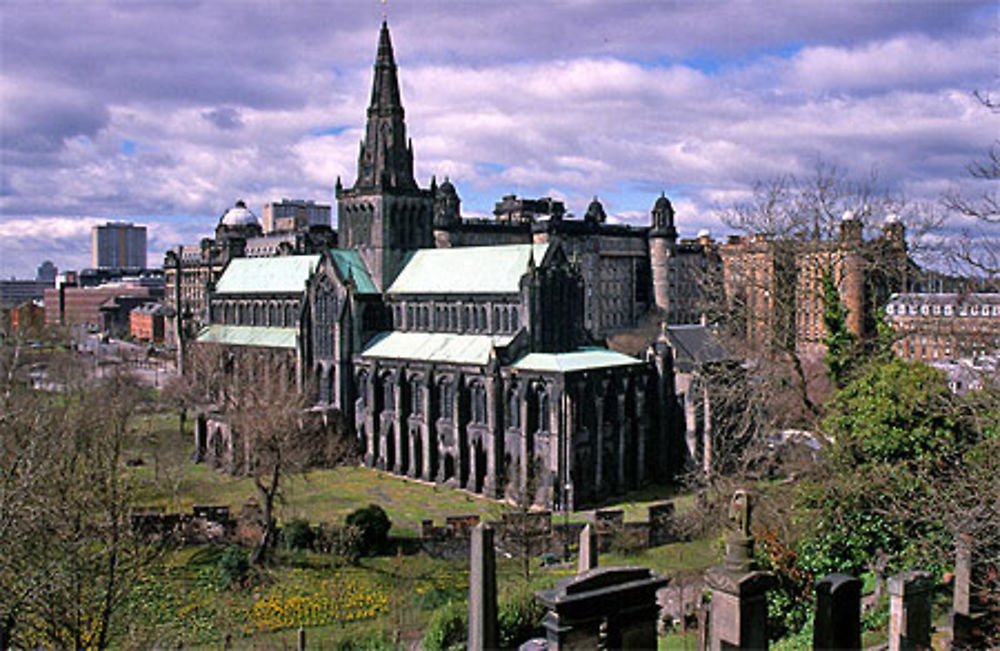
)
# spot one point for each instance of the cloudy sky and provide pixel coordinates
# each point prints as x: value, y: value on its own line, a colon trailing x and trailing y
x: 164, y: 112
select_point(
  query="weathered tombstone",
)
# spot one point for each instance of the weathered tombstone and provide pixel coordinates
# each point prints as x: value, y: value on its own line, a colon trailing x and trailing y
x: 662, y: 524
x: 910, y: 611
x: 483, y: 628
x: 606, y: 607
x: 738, y: 611
x: 587, y: 559
x: 837, y: 621
x: 961, y: 613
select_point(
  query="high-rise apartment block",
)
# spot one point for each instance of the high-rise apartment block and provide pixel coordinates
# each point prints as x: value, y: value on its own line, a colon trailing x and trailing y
x: 118, y: 245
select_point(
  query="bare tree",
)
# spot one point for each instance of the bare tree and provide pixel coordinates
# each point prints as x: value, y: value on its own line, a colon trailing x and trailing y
x: 773, y: 285
x: 69, y: 554
x: 979, y: 245
x: 275, y: 433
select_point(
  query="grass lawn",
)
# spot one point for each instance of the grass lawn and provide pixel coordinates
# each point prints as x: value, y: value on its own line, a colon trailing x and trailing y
x: 320, y: 495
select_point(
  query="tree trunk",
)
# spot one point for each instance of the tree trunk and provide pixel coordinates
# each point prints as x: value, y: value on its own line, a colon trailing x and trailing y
x: 268, y: 492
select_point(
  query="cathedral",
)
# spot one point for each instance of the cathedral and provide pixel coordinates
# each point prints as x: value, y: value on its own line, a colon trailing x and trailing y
x: 465, y: 352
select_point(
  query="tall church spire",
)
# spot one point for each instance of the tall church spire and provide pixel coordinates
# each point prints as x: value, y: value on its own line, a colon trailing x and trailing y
x: 385, y: 161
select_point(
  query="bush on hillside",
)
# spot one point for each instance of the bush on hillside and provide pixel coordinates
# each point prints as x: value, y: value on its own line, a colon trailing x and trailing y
x: 373, y: 526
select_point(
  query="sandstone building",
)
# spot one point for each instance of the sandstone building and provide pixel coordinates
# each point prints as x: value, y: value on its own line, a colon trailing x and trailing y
x: 945, y: 326
x: 773, y: 288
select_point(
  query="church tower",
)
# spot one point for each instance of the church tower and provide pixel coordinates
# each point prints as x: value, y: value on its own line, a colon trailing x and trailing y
x: 385, y: 214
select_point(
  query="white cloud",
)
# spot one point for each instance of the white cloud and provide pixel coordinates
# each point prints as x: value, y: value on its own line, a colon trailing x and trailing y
x: 568, y: 99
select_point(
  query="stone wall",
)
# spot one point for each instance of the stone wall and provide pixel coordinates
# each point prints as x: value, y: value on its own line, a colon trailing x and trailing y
x: 545, y: 532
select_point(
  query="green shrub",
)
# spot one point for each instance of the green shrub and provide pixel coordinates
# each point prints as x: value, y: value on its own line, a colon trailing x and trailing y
x: 519, y: 617
x: 373, y: 525
x: 298, y: 535
x: 448, y: 628
x: 370, y: 639
x: 233, y: 567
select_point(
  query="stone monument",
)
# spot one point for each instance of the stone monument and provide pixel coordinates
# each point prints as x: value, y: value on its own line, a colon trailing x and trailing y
x: 910, y: 611
x: 483, y: 625
x: 738, y: 611
x: 603, y: 608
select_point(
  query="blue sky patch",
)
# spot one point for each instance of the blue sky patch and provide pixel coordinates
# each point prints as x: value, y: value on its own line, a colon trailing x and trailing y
x: 328, y: 131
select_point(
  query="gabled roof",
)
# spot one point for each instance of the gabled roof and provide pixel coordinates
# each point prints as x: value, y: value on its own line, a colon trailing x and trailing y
x: 248, y: 336
x: 582, y: 359
x: 280, y: 275
x: 350, y: 264
x: 467, y: 270
x: 435, y: 347
x: 693, y: 345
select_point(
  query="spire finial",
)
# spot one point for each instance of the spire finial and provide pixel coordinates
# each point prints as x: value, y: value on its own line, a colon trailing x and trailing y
x: 385, y: 10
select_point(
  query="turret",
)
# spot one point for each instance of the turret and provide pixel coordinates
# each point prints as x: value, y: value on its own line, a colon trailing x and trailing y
x: 663, y: 219
x: 895, y: 232
x: 852, y: 290
x: 447, y: 213
x: 851, y: 229
x: 595, y: 213
x: 662, y: 243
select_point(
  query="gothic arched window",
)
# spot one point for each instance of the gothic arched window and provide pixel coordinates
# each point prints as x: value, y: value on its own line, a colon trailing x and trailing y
x: 478, y: 399
x: 513, y: 410
x: 416, y: 397
x: 447, y: 400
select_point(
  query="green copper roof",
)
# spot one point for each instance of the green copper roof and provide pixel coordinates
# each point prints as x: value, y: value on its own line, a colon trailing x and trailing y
x: 579, y: 360
x: 248, y: 336
x: 467, y: 270
x: 435, y: 347
x: 281, y: 275
x: 350, y: 264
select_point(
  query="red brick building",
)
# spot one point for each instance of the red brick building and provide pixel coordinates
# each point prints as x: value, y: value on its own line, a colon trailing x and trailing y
x: 146, y: 322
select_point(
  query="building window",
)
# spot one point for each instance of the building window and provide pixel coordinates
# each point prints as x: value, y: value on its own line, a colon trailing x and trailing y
x: 478, y: 398
x: 362, y: 388
x: 416, y: 397
x: 388, y: 394
x: 447, y: 400
x: 543, y: 411
x: 513, y: 410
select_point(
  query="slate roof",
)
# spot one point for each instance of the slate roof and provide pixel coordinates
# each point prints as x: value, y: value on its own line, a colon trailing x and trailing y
x: 281, y: 275
x: 435, y: 347
x: 248, y: 336
x: 467, y: 270
x: 578, y: 360
x: 694, y: 345
x: 350, y: 264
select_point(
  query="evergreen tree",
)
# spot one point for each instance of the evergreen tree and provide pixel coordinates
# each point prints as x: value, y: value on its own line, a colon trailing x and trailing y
x: 841, y: 344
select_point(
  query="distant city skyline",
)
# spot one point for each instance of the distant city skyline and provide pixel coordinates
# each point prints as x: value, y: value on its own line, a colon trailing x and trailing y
x: 164, y: 114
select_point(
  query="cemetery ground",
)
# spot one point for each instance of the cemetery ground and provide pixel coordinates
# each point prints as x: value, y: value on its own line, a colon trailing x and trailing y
x: 385, y: 601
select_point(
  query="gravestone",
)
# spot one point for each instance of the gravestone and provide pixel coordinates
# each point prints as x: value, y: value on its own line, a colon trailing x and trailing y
x: 483, y: 628
x: 738, y: 610
x: 910, y: 611
x: 837, y: 621
x: 603, y: 608
x: 961, y: 612
x: 587, y: 559
x: 662, y: 524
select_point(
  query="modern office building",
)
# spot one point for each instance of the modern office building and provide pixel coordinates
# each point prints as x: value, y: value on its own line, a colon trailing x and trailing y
x: 118, y: 245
